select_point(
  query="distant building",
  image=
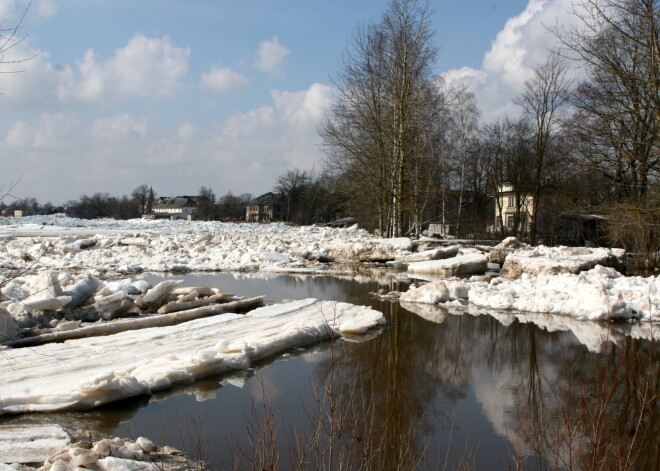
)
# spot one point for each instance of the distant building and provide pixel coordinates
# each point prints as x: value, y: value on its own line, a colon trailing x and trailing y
x: 507, y: 208
x: 175, y: 208
x: 268, y: 207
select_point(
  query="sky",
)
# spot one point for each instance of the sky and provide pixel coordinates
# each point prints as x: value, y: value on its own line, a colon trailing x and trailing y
x: 111, y: 94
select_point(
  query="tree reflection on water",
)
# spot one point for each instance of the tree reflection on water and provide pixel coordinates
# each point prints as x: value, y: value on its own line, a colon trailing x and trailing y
x: 434, y: 390
x: 556, y: 404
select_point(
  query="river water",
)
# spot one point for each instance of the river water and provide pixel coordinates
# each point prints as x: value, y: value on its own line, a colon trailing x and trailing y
x: 429, y: 391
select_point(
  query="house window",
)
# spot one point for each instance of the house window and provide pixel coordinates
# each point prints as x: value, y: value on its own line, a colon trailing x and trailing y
x: 510, y: 202
x: 509, y: 221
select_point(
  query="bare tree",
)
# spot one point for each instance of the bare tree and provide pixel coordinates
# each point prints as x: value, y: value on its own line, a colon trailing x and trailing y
x: 463, y: 133
x: 543, y: 98
x: 618, y: 106
x: 508, y: 154
x: 378, y: 127
x: 141, y: 197
x: 10, y: 38
x: 617, y: 120
x: 206, y: 203
x: 292, y: 185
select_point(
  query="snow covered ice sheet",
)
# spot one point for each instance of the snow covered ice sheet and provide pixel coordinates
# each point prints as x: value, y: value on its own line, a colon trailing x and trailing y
x: 598, y: 294
x: 555, y: 260
x: 460, y: 265
x: 61, y: 243
x: 85, y: 373
x: 30, y: 443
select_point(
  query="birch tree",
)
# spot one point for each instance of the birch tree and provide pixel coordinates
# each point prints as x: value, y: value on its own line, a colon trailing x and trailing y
x: 464, y: 131
x: 376, y: 136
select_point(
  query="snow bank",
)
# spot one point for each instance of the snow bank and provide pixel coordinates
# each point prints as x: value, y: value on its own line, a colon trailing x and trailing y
x: 556, y: 260
x: 598, y: 294
x: 438, y: 292
x: 499, y: 253
x: 85, y: 373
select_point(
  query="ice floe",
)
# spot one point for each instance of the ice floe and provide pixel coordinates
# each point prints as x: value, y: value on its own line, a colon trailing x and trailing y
x: 467, y: 264
x: 556, y: 260
x: 30, y: 443
x: 97, y: 370
x: 597, y: 294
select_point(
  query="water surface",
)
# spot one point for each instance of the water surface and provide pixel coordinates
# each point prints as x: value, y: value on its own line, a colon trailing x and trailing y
x: 427, y: 391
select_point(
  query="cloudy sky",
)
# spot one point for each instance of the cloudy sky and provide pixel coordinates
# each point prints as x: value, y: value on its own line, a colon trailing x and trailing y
x: 218, y: 93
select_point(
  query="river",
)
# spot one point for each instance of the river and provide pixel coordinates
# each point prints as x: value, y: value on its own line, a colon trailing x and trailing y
x: 480, y: 391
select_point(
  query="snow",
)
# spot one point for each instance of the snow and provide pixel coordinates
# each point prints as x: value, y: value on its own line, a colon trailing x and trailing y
x: 98, y: 370
x: 437, y: 292
x: 30, y: 443
x: 432, y: 254
x: 111, y: 463
x: 460, y: 265
x: 598, y: 294
x: 62, y: 243
x: 593, y: 335
x: 119, y: 454
x: 556, y: 260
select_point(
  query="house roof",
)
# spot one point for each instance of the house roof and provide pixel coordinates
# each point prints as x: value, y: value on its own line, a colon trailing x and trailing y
x: 176, y: 202
x: 267, y: 199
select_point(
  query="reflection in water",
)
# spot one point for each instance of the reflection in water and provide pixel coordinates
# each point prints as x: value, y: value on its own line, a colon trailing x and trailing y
x: 435, y: 387
x: 594, y: 335
x: 557, y: 402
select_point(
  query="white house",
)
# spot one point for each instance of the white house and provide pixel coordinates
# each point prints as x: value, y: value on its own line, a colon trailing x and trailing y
x: 505, y: 208
x: 175, y: 208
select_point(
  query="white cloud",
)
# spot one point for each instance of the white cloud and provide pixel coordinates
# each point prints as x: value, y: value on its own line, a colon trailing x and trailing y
x: 280, y: 136
x: 61, y: 157
x: 51, y: 132
x: 466, y: 75
x: 43, y: 8
x: 187, y: 132
x: 270, y: 56
x: 223, y: 80
x: 11, y: 11
x: 20, y: 135
x: 145, y: 67
x: 523, y: 43
x: 119, y: 127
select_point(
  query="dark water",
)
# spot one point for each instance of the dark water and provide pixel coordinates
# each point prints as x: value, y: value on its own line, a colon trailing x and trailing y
x: 461, y: 390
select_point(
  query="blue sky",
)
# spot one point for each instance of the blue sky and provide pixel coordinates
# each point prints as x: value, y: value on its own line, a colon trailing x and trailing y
x: 222, y: 94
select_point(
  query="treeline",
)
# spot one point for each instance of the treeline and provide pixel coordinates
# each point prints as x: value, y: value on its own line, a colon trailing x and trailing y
x: 405, y: 149
x: 228, y: 207
x: 141, y: 201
